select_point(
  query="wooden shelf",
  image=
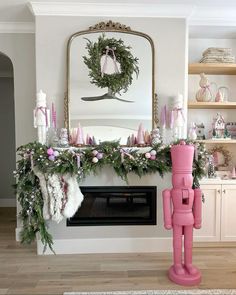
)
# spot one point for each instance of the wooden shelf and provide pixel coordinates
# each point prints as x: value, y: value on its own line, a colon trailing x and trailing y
x: 212, y: 141
x: 211, y: 105
x: 212, y: 68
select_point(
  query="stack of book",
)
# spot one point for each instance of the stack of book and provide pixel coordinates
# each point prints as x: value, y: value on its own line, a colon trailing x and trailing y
x: 217, y: 55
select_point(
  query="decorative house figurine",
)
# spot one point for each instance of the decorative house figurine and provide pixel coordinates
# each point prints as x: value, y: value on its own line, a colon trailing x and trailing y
x: 218, y: 126
x: 177, y: 115
x: 182, y: 211
x: 204, y: 93
x: 192, y: 134
x: 41, y: 117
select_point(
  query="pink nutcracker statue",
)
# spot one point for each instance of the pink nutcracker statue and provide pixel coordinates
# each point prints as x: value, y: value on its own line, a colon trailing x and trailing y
x: 41, y: 117
x: 182, y: 211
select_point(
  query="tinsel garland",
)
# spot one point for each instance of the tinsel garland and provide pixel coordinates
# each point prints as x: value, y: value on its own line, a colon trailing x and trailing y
x: 91, y: 160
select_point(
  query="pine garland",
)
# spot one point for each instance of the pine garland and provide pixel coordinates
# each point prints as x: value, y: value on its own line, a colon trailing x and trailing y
x: 92, y: 159
x: 129, y: 64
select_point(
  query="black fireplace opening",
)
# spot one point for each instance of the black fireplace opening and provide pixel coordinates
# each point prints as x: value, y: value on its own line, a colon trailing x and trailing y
x: 116, y: 205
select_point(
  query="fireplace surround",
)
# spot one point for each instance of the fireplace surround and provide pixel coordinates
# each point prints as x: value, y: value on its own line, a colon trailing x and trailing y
x: 116, y: 205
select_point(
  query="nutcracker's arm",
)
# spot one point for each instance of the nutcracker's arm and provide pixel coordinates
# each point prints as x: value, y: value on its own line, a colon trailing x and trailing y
x: 167, y: 208
x: 197, y: 208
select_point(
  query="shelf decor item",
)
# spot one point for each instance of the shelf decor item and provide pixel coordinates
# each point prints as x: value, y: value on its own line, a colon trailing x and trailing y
x: 221, y: 157
x: 218, y: 127
x: 111, y: 64
x: 192, y: 133
x: 182, y: 208
x: 201, y: 131
x: 217, y: 55
x: 204, y: 93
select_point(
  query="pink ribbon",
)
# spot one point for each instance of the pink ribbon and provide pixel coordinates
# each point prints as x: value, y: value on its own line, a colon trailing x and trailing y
x: 114, y: 60
x: 179, y: 110
x: 123, y: 154
x: 44, y: 112
x: 206, y: 87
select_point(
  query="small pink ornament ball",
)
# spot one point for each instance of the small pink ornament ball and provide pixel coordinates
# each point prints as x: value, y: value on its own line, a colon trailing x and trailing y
x: 94, y: 152
x: 99, y: 156
x: 182, y: 142
x: 147, y: 155
x: 153, y: 153
x: 51, y: 158
x: 50, y: 151
x: 153, y: 157
x: 56, y: 153
x: 95, y: 160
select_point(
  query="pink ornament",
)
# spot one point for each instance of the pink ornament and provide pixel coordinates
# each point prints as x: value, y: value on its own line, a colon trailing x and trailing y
x: 153, y: 153
x: 99, y: 156
x: 51, y: 158
x: 153, y: 157
x: 94, y: 152
x: 148, y: 155
x: 50, y: 151
x: 56, y: 153
x: 94, y: 160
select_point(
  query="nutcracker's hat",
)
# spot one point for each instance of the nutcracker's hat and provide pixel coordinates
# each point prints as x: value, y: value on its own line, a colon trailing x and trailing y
x: 182, y: 158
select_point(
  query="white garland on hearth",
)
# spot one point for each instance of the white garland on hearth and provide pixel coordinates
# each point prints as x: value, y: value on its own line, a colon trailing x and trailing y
x: 61, y: 195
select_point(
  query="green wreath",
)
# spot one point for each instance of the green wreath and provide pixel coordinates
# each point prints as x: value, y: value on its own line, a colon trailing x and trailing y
x: 117, y: 81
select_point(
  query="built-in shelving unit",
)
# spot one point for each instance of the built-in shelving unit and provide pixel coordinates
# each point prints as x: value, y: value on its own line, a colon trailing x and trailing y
x: 212, y: 68
x: 211, y: 105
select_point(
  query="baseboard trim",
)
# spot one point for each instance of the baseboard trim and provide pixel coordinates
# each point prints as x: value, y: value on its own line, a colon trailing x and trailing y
x: 112, y: 245
x: 8, y: 202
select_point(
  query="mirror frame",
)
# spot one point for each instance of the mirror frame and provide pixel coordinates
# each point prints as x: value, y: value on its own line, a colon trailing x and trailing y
x: 101, y: 28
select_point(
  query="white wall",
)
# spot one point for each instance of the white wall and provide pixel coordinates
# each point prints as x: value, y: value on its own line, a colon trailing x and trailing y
x: 169, y: 36
x: 20, y: 48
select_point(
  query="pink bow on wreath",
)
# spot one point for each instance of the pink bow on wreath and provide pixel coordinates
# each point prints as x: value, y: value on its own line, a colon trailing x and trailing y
x: 112, y: 50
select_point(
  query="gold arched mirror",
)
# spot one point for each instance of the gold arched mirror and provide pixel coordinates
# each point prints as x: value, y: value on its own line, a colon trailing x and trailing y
x: 110, y: 82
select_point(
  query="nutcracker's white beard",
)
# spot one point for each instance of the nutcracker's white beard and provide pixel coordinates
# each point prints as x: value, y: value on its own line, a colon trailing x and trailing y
x: 58, y: 202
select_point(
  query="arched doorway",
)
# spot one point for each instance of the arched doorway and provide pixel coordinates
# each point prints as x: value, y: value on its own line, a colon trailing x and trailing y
x: 7, y: 132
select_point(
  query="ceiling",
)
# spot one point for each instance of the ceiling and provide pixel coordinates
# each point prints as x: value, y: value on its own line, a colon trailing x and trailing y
x: 18, y: 11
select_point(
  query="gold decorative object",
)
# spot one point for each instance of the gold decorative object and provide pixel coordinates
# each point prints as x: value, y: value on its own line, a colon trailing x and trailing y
x: 110, y: 25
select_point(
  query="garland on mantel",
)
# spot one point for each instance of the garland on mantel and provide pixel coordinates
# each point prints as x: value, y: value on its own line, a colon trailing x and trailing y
x: 82, y: 162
